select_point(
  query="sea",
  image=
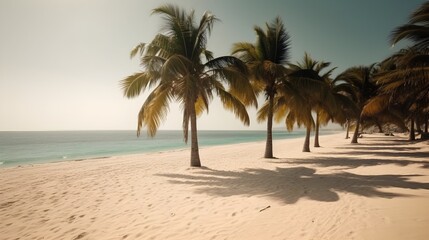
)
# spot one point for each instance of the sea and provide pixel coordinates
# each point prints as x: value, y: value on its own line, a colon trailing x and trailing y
x: 23, y: 148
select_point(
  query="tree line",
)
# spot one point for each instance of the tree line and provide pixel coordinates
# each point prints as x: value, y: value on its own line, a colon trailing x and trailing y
x: 177, y: 66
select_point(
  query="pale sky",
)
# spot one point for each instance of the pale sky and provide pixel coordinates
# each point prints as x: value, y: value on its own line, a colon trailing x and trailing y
x: 61, y: 60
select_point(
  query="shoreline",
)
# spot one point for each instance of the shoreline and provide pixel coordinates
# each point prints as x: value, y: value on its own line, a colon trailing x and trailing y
x: 38, y: 162
x: 377, y: 189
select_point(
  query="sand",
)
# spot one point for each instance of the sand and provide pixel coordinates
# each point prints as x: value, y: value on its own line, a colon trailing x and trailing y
x: 377, y: 189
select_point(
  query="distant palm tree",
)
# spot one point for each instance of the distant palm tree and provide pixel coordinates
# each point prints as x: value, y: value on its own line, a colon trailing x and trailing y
x: 361, y: 78
x: 404, y: 85
x: 345, y: 99
x: 266, y: 61
x: 416, y: 30
x: 317, y: 94
x: 325, y: 110
x: 174, y: 68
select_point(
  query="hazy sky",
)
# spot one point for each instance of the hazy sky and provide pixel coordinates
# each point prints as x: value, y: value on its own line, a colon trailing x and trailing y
x: 61, y: 60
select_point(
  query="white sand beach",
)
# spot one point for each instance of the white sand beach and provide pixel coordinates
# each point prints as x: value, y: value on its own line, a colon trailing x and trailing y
x: 377, y: 189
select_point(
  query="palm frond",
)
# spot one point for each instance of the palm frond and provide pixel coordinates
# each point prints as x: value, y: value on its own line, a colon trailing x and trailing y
x: 278, y: 41
x: 421, y: 14
x: 376, y: 105
x: 185, y: 121
x: 134, y: 84
x: 416, y: 33
x: 227, y: 61
x: 177, y: 66
x: 201, y: 105
x: 201, y: 33
x: 290, y: 121
x: 208, y: 55
x: 281, y: 108
x: 245, y: 51
x: 262, y: 43
x: 232, y: 103
x: 263, y: 112
x: 154, y: 110
x: 161, y: 46
x: 140, y: 48
x: 178, y: 24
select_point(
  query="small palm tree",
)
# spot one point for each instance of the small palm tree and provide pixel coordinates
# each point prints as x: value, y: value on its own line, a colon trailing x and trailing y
x: 345, y: 99
x: 361, y: 78
x: 174, y: 67
x: 266, y: 61
x: 325, y: 110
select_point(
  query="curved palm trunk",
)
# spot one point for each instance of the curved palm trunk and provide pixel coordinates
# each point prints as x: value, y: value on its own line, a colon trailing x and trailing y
x: 316, y: 135
x: 195, y: 155
x: 269, y: 143
x: 306, y: 147
x: 412, y: 133
x: 356, y: 133
x: 348, y: 129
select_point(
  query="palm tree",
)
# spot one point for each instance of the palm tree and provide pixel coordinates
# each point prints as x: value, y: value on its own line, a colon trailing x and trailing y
x: 173, y: 66
x: 345, y: 99
x: 315, y: 90
x: 361, y: 78
x: 265, y: 60
x: 416, y: 30
x: 403, y: 86
x: 325, y: 110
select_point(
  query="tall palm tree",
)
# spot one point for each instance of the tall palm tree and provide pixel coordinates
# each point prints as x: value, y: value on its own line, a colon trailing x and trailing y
x: 266, y: 61
x: 173, y: 66
x: 416, y: 30
x: 361, y: 78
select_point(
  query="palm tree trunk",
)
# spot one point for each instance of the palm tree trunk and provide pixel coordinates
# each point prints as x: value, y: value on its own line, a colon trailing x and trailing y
x: 306, y: 147
x: 356, y: 133
x: 195, y: 155
x: 380, y: 128
x: 316, y: 135
x: 412, y: 133
x: 269, y: 143
x: 426, y: 124
x: 418, y: 125
x: 348, y: 128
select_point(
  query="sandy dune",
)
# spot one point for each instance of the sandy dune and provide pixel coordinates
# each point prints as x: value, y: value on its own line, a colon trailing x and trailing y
x: 378, y: 189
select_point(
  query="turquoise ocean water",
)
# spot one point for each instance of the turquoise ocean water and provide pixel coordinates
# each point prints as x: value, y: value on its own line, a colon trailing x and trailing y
x: 19, y: 148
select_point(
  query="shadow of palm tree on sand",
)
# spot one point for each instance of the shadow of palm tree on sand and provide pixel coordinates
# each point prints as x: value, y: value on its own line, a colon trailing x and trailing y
x: 291, y: 184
